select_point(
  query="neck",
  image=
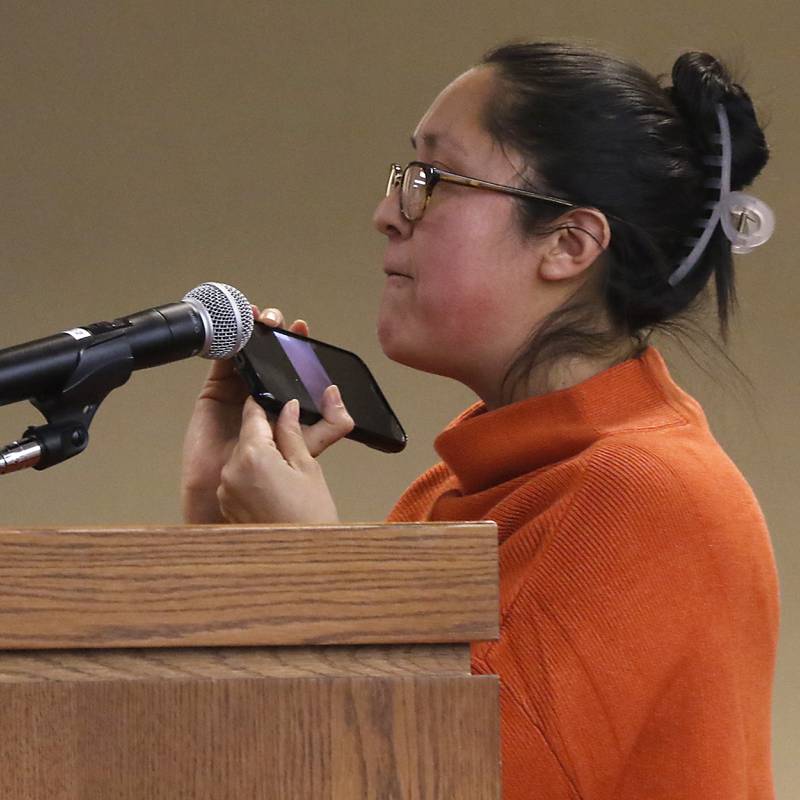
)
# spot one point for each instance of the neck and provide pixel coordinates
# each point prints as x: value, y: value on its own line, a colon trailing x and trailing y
x: 564, y: 373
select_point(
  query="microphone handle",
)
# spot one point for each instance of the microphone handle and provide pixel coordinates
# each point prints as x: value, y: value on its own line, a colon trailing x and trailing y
x: 165, y: 334
x: 33, y: 368
x: 156, y: 336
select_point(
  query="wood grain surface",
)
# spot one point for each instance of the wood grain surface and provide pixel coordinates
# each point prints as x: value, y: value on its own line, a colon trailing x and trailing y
x: 248, y: 585
x: 18, y: 666
x: 321, y: 738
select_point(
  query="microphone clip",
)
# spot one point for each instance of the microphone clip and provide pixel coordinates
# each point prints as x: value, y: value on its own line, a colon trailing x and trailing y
x: 104, y: 364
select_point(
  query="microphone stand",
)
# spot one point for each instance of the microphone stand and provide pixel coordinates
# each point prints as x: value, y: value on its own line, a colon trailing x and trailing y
x: 105, y: 363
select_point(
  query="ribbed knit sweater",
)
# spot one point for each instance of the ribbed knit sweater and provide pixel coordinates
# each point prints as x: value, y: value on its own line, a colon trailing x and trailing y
x: 638, y: 593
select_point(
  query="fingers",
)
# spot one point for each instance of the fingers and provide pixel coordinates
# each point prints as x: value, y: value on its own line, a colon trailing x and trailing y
x: 272, y: 317
x: 273, y: 480
x: 253, y: 458
x: 254, y: 452
x: 335, y: 424
x: 223, y: 384
x: 221, y: 369
x: 275, y: 319
x: 255, y: 430
x: 299, y: 326
x: 289, y: 437
x: 296, y: 443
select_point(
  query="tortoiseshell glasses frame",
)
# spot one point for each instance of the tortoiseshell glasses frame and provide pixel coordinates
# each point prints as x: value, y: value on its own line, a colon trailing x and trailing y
x: 418, y: 179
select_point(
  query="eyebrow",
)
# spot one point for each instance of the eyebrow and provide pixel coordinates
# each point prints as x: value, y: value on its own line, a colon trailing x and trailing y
x: 433, y: 140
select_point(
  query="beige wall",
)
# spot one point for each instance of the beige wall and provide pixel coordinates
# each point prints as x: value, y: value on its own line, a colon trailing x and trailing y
x: 146, y: 147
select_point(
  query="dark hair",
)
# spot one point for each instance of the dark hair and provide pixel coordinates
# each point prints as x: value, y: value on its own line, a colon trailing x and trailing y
x: 603, y: 132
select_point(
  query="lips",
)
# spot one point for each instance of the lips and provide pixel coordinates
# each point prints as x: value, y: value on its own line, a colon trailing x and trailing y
x: 390, y: 271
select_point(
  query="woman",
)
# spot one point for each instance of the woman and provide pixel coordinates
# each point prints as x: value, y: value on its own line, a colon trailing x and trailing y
x: 638, y: 590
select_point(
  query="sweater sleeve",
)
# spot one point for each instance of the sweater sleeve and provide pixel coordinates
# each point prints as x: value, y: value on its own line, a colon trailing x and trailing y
x: 531, y: 766
x: 622, y: 659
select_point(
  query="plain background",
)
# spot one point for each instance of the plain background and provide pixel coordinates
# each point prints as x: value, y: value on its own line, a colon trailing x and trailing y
x: 147, y: 147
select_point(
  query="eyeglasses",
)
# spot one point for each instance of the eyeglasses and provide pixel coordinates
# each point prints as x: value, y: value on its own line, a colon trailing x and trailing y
x: 418, y: 180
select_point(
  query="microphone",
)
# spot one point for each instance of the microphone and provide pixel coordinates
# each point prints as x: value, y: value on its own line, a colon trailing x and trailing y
x: 213, y: 320
x: 66, y: 376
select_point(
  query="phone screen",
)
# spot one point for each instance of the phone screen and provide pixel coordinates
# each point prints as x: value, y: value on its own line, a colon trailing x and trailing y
x: 279, y: 365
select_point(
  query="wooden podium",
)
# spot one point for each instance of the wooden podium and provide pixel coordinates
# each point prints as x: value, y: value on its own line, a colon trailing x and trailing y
x: 245, y: 662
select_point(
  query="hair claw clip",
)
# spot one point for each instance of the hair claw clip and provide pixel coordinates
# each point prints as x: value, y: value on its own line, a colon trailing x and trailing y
x: 746, y: 221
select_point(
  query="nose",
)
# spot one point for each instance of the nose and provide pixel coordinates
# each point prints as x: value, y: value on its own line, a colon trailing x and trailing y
x: 388, y: 219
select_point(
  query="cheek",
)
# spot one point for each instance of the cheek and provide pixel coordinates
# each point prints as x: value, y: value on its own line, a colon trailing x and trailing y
x: 469, y: 295
x: 458, y: 301
x: 468, y: 279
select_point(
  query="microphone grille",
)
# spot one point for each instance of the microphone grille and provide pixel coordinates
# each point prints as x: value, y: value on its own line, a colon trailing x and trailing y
x: 229, y: 314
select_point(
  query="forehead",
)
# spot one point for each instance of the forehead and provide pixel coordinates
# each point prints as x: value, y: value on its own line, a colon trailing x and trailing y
x: 454, y: 119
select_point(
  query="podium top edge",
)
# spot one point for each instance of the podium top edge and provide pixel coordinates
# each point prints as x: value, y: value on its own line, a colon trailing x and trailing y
x: 228, y: 528
x: 252, y: 585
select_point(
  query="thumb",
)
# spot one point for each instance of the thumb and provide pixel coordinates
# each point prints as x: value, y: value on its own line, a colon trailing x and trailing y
x: 335, y: 423
x: 255, y: 427
x: 289, y: 436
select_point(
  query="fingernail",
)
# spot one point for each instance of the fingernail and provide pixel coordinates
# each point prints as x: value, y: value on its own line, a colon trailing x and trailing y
x: 294, y: 409
x: 270, y: 315
x: 336, y: 395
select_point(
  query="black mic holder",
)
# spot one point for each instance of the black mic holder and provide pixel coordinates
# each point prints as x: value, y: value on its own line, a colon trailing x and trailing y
x: 105, y: 363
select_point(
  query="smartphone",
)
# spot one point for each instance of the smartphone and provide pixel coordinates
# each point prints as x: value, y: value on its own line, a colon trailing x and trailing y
x: 278, y: 365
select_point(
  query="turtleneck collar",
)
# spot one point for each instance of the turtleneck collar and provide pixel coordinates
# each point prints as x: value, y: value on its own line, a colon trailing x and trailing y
x: 485, y: 448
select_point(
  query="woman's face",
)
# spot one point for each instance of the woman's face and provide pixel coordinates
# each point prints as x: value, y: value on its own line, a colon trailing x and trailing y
x: 462, y: 291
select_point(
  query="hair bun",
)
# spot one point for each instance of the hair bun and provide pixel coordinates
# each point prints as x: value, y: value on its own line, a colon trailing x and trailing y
x: 699, y: 83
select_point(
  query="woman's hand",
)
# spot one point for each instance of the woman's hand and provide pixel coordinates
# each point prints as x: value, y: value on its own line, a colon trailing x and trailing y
x: 272, y: 476
x: 214, y: 428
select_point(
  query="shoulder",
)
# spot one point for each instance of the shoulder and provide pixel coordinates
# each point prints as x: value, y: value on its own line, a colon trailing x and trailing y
x: 666, y: 502
x: 677, y: 476
x: 664, y: 475
x: 647, y: 513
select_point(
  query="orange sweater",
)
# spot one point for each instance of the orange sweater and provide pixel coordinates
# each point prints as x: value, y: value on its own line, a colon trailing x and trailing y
x: 637, y: 588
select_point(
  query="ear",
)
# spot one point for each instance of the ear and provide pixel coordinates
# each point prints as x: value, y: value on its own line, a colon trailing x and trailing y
x: 580, y: 237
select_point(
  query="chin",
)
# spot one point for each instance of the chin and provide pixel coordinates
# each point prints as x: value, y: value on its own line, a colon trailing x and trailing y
x: 402, y: 353
x: 393, y: 348
x: 399, y: 344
